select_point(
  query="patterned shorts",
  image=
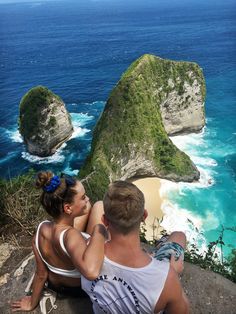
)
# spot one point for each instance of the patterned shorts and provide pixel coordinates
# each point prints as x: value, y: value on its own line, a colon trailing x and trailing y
x: 167, y: 249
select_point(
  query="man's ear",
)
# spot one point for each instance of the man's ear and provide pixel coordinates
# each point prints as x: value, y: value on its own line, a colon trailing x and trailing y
x: 145, y: 214
x: 67, y: 209
x: 104, y: 220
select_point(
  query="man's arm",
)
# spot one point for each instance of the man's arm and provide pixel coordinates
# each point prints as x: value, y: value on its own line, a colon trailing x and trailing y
x: 173, y: 299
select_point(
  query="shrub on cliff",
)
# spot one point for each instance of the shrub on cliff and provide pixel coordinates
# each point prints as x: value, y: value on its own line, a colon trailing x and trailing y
x: 19, y: 202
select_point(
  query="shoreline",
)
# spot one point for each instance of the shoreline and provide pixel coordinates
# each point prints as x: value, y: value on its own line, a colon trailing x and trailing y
x: 151, y: 186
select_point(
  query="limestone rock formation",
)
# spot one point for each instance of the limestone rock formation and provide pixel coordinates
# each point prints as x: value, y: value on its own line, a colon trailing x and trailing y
x: 182, y: 98
x: 44, y: 121
x: 130, y: 140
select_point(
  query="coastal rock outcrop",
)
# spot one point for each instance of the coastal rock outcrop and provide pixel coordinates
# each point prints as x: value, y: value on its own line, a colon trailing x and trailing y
x: 181, y: 97
x: 44, y: 122
x: 130, y: 139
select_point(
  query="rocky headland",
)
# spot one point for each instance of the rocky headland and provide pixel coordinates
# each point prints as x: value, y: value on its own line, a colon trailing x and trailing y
x: 153, y: 99
x: 44, y: 122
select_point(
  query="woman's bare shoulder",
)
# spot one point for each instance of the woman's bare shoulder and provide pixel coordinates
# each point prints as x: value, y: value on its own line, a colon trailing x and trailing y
x: 46, y: 229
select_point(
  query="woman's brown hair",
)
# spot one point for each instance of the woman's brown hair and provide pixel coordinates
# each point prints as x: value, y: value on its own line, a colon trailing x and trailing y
x: 56, y: 192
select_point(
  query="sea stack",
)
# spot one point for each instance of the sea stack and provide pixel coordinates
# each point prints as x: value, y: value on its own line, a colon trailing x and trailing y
x: 44, y: 122
x: 154, y: 98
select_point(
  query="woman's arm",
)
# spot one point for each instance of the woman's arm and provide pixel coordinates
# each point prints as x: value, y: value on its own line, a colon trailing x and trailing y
x: 28, y: 303
x: 87, y: 258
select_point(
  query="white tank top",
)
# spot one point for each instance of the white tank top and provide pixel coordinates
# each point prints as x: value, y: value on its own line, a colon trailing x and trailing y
x: 124, y: 290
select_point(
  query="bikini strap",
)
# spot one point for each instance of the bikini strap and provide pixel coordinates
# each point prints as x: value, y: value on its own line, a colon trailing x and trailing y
x: 37, y: 239
x: 37, y: 234
x: 61, y: 241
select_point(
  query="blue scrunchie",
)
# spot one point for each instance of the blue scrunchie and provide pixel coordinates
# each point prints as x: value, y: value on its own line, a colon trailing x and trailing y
x: 53, y: 185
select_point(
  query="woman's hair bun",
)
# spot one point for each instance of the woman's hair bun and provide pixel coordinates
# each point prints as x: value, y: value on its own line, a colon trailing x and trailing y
x: 43, y: 178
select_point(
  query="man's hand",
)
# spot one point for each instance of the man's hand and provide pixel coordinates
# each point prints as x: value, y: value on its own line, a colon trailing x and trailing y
x: 177, y: 265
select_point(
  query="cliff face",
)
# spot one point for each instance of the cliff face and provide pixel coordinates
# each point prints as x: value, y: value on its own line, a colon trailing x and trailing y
x: 130, y: 139
x: 183, y: 112
x: 44, y: 121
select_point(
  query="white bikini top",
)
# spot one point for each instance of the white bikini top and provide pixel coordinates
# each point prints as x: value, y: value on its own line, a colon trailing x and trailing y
x: 72, y: 273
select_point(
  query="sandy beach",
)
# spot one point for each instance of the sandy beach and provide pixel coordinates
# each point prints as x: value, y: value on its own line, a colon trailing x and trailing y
x: 151, y: 190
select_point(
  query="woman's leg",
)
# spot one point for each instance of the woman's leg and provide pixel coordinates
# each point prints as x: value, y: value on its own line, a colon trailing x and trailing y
x: 95, y: 216
x: 80, y: 223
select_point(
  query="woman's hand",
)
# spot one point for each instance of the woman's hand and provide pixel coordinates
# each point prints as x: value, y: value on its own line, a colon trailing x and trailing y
x: 23, y: 304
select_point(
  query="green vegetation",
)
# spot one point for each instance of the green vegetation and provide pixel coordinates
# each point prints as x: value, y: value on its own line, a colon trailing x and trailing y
x: 19, y: 203
x: 158, y: 71
x: 213, y: 259
x: 52, y: 122
x: 131, y: 124
x: 31, y: 105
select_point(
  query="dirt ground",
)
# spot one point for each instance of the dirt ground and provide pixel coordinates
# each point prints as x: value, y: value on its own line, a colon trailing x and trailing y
x: 209, y: 293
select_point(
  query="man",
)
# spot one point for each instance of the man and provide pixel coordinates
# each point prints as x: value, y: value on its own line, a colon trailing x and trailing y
x: 131, y: 281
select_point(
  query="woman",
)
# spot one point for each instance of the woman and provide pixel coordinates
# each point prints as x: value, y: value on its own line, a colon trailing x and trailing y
x: 61, y: 252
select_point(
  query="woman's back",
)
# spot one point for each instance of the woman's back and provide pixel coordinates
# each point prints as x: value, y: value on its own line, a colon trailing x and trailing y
x: 49, y: 247
x: 47, y: 242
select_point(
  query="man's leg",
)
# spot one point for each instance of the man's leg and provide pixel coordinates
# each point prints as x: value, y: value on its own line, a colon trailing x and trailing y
x: 172, y: 249
x: 178, y: 237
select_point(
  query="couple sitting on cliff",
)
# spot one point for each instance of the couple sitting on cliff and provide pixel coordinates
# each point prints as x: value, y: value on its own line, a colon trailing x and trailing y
x: 127, y: 279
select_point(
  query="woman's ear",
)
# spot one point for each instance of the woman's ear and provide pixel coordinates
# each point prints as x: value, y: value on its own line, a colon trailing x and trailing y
x: 67, y: 209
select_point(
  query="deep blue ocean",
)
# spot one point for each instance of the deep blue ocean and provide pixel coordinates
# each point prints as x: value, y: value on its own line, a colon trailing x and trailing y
x: 79, y: 50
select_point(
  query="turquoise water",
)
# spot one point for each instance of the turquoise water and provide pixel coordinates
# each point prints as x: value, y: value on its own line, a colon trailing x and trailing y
x: 80, y: 49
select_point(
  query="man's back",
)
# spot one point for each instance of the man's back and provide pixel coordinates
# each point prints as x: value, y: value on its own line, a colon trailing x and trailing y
x: 121, y: 289
x: 130, y: 280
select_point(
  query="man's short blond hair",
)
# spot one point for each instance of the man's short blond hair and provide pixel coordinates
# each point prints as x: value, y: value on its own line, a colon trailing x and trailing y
x: 124, y: 206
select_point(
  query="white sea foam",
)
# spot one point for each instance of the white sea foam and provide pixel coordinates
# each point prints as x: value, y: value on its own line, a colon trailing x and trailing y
x: 79, y: 132
x: 15, y: 136
x: 70, y: 171
x: 55, y: 158
x: 204, y: 161
x: 187, y: 142
x: 96, y: 102
x: 196, y: 147
x: 79, y: 120
x: 176, y: 218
